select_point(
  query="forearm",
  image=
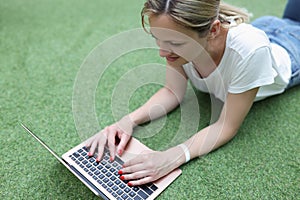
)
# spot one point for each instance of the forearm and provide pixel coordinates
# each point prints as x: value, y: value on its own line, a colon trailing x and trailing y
x: 209, y: 139
x: 162, y: 102
x: 233, y: 113
x: 203, y: 142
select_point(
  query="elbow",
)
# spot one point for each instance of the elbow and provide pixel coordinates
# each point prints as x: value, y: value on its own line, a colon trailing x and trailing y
x: 178, y: 96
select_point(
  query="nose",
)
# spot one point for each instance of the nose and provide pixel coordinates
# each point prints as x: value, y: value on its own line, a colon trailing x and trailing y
x: 164, y: 53
x: 164, y: 49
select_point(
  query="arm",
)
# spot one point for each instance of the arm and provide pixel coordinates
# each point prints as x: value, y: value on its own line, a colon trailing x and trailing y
x: 165, y: 100
x: 158, y: 164
x: 233, y: 114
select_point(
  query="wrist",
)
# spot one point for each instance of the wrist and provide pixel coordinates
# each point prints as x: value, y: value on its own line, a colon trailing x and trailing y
x: 128, y: 121
x: 186, y: 152
x: 176, y: 156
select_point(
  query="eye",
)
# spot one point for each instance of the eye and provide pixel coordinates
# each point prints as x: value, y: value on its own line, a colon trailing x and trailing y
x: 176, y: 44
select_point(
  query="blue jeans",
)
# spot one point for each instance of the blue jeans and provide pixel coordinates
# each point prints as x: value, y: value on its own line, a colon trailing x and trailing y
x: 286, y: 33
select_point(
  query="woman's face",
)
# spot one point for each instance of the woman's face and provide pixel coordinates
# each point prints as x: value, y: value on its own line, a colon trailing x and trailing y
x: 177, y: 44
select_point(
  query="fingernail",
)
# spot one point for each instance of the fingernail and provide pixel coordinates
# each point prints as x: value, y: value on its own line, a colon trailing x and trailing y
x: 90, y: 154
x: 122, y: 178
x: 120, y: 172
x: 120, y: 152
x: 111, y: 159
x: 129, y: 184
x: 97, y: 160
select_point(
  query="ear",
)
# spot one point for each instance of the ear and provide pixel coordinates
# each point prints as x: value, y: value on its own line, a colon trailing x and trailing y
x: 215, y: 29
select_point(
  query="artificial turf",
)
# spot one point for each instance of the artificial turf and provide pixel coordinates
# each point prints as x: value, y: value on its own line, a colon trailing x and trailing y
x: 42, y: 46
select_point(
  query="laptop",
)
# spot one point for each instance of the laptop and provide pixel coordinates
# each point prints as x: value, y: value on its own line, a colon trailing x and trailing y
x: 102, y: 178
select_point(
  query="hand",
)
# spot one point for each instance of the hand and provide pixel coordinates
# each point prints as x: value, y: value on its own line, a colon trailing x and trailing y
x: 121, y: 130
x: 148, y: 167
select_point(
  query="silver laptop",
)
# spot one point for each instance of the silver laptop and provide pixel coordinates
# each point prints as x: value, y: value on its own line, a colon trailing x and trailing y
x: 102, y: 178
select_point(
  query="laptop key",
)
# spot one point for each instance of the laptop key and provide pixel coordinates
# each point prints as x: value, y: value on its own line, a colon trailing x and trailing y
x: 122, y: 186
x: 80, y: 158
x: 135, y: 189
x: 110, y: 184
x: 146, y: 189
x: 112, y: 170
x: 76, y: 155
x: 93, y: 169
x: 105, y: 180
x: 120, y: 192
x: 114, y: 194
x: 113, y: 178
x: 153, y: 187
x: 137, y: 197
x: 127, y: 190
x: 101, y: 176
x: 88, y: 165
x: 108, y: 174
x: 84, y: 162
x: 85, y: 149
x: 124, y: 196
x: 117, y: 182
x: 132, y: 194
x: 142, y: 194
x: 115, y: 188
x: 109, y: 190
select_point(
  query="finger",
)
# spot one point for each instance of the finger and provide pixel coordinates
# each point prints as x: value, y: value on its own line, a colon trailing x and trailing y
x: 89, y: 142
x: 100, y: 151
x: 98, y: 143
x: 124, y: 138
x: 136, y: 175
x: 111, y: 142
x: 139, y: 159
x: 132, y: 169
x: 142, y: 181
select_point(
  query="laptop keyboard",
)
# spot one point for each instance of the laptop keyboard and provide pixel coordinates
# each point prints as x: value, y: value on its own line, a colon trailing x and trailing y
x: 106, y: 174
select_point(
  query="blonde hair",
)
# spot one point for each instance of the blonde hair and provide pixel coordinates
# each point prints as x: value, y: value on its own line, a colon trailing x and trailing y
x: 197, y: 15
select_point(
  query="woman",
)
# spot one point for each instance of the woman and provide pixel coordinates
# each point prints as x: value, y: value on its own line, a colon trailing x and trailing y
x: 208, y: 43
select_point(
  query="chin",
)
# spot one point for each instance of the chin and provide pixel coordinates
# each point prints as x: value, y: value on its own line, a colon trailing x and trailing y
x: 178, y: 62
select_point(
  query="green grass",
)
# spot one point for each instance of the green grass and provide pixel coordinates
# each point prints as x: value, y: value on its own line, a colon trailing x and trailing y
x: 42, y: 46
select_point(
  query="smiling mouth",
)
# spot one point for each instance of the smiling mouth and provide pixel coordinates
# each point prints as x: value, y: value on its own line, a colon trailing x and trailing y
x: 172, y: 58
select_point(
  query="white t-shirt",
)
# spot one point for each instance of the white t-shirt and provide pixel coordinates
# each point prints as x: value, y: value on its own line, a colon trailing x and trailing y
x: 249, y: 61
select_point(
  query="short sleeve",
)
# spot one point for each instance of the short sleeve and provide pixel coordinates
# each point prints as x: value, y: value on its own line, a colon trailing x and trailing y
x: 253, y: 71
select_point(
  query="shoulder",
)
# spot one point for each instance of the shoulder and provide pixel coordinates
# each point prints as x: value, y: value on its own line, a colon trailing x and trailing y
x: 245, y: 39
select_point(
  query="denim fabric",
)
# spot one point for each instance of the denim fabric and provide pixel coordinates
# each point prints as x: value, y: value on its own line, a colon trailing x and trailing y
x: 292, y: 10
x: 286, y: 33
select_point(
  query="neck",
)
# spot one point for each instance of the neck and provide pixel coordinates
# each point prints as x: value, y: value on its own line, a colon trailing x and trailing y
x: 209, y: 60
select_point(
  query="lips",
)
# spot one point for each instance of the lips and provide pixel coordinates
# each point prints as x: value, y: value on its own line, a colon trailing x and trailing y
x: 172, y: 58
